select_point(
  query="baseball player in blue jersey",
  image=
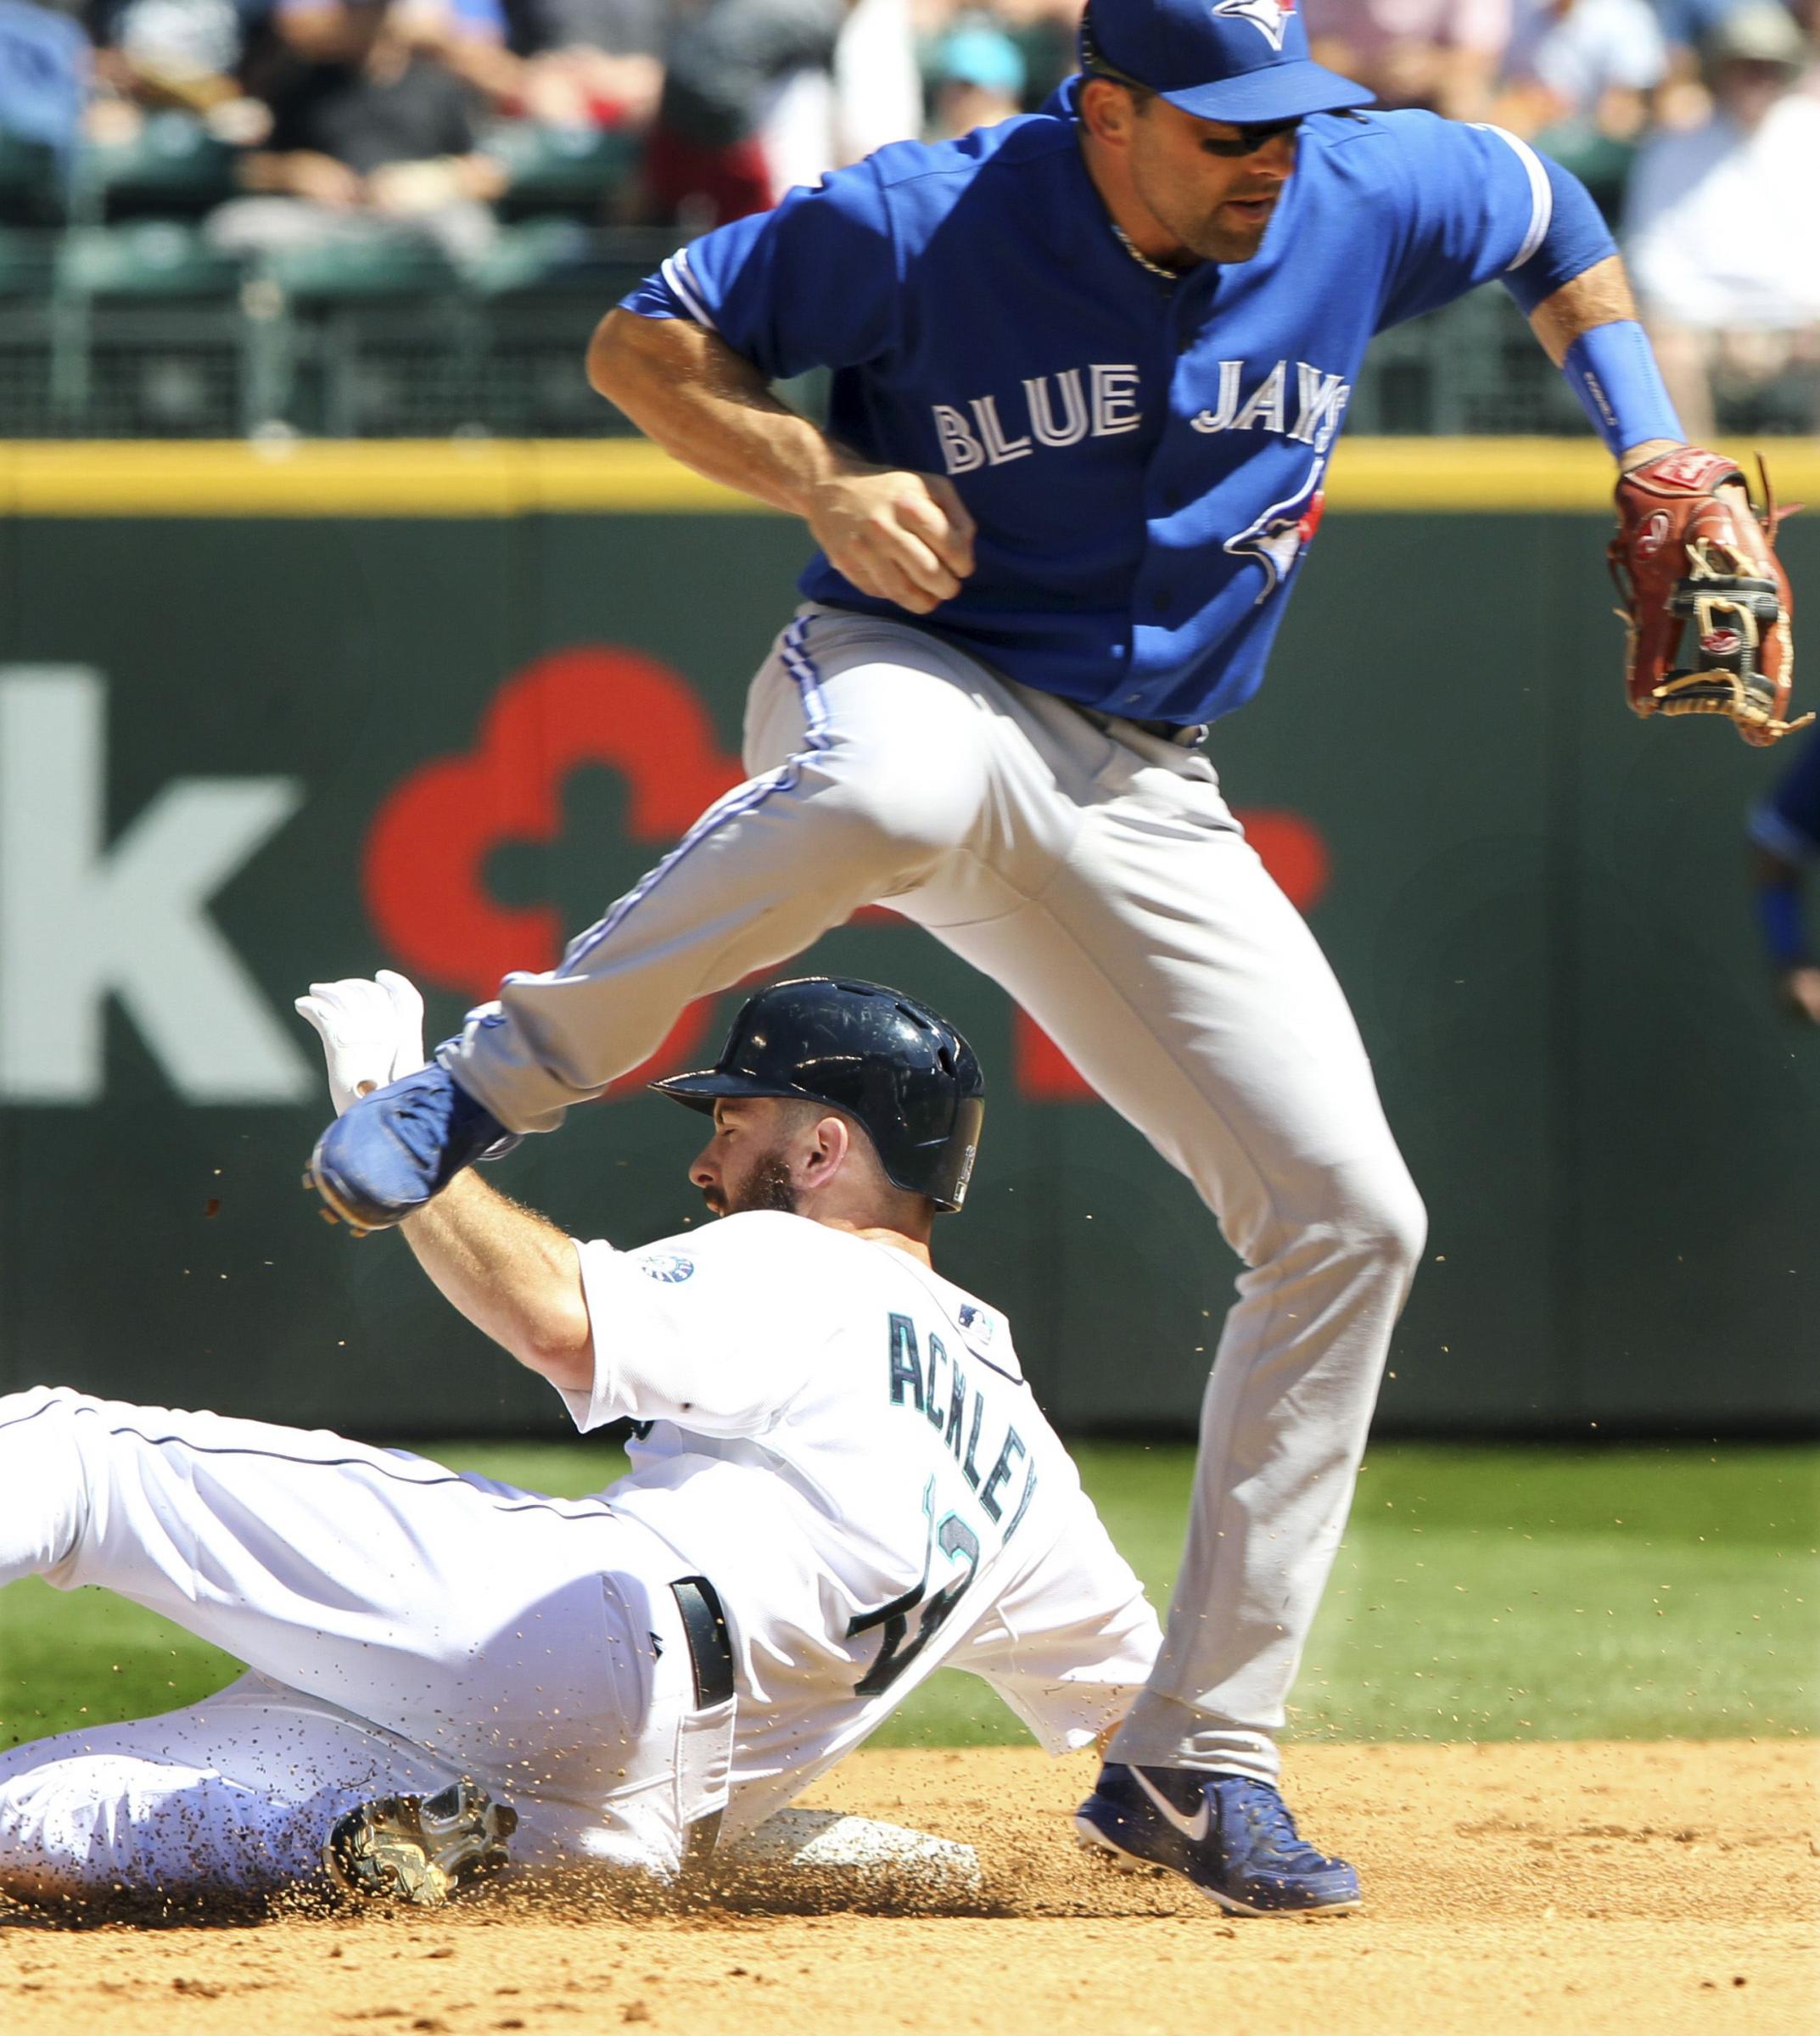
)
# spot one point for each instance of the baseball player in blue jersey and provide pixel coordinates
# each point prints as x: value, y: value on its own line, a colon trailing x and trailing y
x: 1784, y: 832
x: 1087, y: 367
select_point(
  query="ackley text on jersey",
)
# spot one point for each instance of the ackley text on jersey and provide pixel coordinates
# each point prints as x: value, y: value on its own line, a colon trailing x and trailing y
x: 909, y: 1389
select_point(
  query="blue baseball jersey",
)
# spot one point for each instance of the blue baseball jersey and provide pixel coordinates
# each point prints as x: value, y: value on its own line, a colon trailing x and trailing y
x: 1788, y: 822
x: 1143, y: 455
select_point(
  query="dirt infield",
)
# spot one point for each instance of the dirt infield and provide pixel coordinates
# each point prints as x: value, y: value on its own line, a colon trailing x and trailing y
x: 1559, y: 1888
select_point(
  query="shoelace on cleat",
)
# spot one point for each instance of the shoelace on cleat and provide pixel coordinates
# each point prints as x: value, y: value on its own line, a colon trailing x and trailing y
x: 1271, y: 1822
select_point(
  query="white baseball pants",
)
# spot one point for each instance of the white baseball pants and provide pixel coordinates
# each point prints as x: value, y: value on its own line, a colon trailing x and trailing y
x: 404, y: 1625
x: 1094, y: 871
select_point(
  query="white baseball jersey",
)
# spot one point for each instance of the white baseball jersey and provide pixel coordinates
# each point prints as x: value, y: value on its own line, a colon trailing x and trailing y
x: 842, y: 1442
x: 838, y: 1439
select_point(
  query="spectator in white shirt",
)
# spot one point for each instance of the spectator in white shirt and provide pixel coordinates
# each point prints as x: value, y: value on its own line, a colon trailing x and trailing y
x: 1719, y: 231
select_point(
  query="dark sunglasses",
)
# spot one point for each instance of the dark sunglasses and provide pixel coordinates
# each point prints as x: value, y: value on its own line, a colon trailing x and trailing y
x: 1249, y: 140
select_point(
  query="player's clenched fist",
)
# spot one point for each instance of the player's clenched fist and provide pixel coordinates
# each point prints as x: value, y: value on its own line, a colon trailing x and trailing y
x: 371, y: 1031
x: 904, y: 537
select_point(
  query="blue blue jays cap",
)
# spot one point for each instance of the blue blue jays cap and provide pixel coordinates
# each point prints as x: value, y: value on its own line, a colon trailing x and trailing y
x: 1246, y: 62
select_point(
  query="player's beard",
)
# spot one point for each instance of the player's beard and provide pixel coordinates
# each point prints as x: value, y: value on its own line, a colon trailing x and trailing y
x: 1212, y: 241
x: 768, y: 1186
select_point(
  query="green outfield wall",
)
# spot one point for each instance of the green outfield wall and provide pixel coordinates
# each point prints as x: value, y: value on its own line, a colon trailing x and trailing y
x: 267, y: 716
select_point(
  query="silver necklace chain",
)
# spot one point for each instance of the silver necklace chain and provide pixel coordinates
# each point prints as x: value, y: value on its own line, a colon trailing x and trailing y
x: 1138, y: 256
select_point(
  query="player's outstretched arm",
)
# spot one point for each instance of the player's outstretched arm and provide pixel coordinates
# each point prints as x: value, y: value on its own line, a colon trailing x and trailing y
x: 899, y: 536
x: 1571, y: 287
x: 511, y: 1272
x: 1597, y: 299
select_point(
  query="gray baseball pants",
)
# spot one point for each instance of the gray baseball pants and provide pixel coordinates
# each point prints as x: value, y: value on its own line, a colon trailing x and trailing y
x: 1095, y: 873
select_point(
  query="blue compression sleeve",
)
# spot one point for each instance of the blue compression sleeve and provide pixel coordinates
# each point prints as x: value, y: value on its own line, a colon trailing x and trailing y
x: 1612, y: 370
x: 1577, y: 239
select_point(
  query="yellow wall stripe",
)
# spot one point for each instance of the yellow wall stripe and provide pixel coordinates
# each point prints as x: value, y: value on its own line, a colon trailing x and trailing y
x: 383, y: 478
x: 494, y: 478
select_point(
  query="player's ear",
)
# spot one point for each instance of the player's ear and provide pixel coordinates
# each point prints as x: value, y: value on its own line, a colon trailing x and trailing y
x: 829, y: 1140
x: 1106, y: 111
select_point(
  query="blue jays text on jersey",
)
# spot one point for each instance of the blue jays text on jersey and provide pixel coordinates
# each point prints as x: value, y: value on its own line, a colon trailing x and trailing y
x: 1143, y: 456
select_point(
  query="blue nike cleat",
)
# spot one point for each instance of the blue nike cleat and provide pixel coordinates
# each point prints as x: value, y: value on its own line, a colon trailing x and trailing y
x: 393, y: 1150
x: 1230, y: 1837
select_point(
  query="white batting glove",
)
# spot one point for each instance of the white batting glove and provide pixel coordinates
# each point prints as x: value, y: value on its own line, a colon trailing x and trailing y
x: 372, y: 1031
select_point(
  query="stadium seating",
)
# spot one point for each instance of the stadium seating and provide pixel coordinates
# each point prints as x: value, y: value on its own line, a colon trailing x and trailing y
x: 538, y: 293
x: 571, y: 170
x: 26, y: 342
x: 151, y: 258
x: 149, y: 338
x: 362, y: 338
x: 173, y: 168
x: 33, y: 190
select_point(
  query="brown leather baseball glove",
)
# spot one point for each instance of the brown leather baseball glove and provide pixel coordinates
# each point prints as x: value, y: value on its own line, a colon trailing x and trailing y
x: 1693, y: 546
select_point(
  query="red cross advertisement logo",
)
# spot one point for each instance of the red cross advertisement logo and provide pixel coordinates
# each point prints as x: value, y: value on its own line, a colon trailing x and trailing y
x: 423, y: 868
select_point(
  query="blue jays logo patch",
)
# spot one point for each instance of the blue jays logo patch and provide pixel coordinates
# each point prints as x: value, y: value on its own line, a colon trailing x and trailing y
x: 669, y: 1267
x: 1270, y: 17
x: 1282, y: 533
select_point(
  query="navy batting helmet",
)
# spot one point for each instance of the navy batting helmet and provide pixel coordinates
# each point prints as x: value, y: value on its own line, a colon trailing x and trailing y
x: 892, y: 1064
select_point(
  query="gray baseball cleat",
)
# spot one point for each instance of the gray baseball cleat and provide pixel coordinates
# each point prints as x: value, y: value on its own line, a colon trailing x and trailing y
x: 419, y: 1849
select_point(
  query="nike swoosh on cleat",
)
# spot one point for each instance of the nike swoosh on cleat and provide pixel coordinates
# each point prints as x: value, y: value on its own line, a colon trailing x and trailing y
x: 1195, y: 1829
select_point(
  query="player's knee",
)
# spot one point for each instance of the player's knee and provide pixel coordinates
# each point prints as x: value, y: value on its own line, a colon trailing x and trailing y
x: 1356, y: 1229
x: 58, y: 1834
x: 894, y: 823
x: 1382, y: 1223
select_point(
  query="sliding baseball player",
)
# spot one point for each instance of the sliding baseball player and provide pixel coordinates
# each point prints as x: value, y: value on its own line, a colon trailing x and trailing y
x: 839, y: 1482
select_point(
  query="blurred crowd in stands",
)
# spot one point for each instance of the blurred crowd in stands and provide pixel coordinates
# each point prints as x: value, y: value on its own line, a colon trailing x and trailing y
x: 1695, y: 122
